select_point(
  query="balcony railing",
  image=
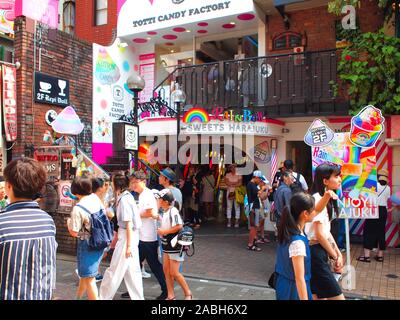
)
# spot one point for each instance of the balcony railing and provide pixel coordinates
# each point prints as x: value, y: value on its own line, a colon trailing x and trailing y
x: 280, y: 85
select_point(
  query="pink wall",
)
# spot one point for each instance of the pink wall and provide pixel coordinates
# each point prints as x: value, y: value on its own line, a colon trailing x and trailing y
x: 45, y: 11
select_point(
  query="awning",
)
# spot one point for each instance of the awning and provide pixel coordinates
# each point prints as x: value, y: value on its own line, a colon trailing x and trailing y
x: 151, y: 21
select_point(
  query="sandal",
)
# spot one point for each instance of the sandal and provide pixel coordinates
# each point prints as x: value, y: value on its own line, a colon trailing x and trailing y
x: 189, y: 297
x: 379, y: 259
x: 173, y: 298
x: 364, y: 259
x: 253, y: 248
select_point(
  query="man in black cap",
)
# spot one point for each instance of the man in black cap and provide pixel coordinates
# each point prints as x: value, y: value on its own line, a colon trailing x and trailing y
x: 166, y: 179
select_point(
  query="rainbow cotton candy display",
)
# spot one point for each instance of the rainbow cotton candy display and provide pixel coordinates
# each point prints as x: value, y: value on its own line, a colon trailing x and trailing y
x: 67, y: 122
x: 366, y: 127
x: 107, y: 72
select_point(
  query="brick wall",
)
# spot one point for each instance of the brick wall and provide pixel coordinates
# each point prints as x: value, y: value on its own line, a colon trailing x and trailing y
x: 85, y: 24
x: 319, y: 25
x: 62, y: 56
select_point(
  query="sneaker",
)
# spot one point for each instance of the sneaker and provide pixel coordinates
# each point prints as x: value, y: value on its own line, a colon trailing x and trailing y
x: 236, y: 225
x: 228, y: 225
x: 99, y: 277
x: 77, y: 273
x: 342, y: 249
x: 125, y: 295
x: 145, y: 274
x: 162, y: 296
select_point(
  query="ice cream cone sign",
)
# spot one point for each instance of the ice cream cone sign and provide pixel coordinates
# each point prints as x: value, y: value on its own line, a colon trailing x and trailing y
x: 366, y: 127
x: 67, y: 122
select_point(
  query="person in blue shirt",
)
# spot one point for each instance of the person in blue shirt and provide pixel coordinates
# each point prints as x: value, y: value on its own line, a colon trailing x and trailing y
x: 293, y: 262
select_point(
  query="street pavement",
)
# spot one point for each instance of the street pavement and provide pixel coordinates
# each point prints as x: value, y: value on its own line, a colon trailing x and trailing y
x: 223, y: 269
x: 202, y: 289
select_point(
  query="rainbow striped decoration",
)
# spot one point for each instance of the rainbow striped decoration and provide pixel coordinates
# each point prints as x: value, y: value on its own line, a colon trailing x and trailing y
x: 196, y: 115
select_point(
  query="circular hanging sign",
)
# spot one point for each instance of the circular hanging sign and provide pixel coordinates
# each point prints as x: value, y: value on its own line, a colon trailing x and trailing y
x: 50, y: 116
x: 266, y: 70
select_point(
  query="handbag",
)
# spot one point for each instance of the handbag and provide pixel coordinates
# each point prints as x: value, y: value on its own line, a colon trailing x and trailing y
x: 272, y: 280
x: 240, y: 192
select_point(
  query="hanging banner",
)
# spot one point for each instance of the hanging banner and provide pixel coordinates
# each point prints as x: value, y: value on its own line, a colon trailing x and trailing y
x: 10, y: 102
x: 111, y: 97
x: 359, y: 176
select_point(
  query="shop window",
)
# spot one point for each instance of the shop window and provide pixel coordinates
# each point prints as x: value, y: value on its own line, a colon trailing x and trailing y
x: 101, y: 12
x: 286, y: 40
x: 6, y: 54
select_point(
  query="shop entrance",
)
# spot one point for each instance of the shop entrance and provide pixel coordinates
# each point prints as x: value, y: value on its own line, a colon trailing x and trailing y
x: 300, y: 153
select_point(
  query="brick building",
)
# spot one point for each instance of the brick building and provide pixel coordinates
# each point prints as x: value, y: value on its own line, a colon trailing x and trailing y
x: 101, y: 30
x: 63, y: 56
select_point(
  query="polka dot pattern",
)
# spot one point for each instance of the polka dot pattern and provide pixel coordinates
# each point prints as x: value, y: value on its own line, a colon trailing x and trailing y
x: 139, y: 40
x: 228, y: 26
x: 179, y: 29
x: 202, y: 24
x: 170, y: 37
x: 246, y: 16
x: 202, y: 31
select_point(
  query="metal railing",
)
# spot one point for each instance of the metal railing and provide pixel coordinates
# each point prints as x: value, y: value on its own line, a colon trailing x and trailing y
x: 282, y: 85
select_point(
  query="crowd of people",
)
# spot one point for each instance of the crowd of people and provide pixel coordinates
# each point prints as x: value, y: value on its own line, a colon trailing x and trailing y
x: 147, y: 223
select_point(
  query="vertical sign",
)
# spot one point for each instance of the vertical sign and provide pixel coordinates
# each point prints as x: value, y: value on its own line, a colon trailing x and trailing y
x: 147, y: 69
x: 64, y: 188
x: 10, y: 102
x: 68, y: 172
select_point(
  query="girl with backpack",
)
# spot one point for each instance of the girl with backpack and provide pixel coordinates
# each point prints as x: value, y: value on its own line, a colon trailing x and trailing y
x: 79, y: 226
x: 124, y: 263
x: 171, y: 224
x: 322, y: 244
x: 293, y: 262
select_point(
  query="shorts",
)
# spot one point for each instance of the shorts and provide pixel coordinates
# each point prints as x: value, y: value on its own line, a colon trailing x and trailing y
x: 176, y: 256
x: 254, y: 218
x: 323, y: 283
x: 88, y: 260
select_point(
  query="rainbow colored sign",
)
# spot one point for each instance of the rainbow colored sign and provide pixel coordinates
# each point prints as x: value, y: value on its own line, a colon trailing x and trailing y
x: 196, y: 115
x: 359, y: 176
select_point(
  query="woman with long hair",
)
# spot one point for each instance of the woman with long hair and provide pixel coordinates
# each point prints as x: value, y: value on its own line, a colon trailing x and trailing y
x: 322, y: 244
x: 124, y: 263
x: 293, y: 263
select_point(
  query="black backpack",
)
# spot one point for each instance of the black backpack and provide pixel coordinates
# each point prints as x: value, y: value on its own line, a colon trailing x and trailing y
x: 296, y: 186
x: 101, y: 229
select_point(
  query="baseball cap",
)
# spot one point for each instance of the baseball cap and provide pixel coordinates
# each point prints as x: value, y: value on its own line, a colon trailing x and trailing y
x: 156, y: 193
x: 264, y: 179
x: 257, y: 173
x: 166, y: 195
x: 169, y: 174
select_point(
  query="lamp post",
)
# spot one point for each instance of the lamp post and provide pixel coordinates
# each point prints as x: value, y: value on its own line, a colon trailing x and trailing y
x: 136, y: 84
x: 178, y: 97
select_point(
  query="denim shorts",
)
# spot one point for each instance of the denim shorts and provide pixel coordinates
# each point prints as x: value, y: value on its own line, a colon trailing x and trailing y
x: 88, y: 260
x: 176, y: 256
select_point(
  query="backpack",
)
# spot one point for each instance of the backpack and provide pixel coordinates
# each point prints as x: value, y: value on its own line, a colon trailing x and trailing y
x: 101, y: 229
x: 296, y: 186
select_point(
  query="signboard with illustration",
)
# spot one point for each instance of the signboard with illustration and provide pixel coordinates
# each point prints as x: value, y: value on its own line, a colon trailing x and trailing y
x: 7, y: 16
x: 355, y: 153
x: 44, y: 11
x: 50, y: 159
x: 51, y: 90
x: 111, y: 97
x: 64, y: 189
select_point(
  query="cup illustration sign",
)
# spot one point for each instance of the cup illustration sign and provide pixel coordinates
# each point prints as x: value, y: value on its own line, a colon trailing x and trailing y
x: 44, y: 87
x: 366, y: 127
x: 62, y: 84
x: 131, y: 135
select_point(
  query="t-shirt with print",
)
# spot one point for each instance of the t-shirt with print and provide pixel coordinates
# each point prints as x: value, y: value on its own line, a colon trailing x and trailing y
x: 148, y: 231
x: 80, y: 218
x: 171, y: 215
x: 322, y: 217
x: 127, y: 211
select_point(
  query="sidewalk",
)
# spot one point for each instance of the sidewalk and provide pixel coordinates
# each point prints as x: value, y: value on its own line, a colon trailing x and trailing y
x: 222, y: 268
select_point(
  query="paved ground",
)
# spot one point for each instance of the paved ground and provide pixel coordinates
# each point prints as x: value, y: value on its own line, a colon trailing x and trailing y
x: 222, y: 268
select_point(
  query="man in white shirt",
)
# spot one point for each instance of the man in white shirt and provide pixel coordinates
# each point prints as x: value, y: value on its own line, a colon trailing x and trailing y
x: 148, y: 242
